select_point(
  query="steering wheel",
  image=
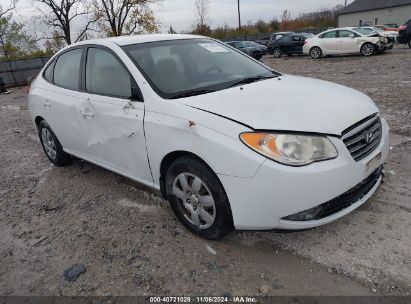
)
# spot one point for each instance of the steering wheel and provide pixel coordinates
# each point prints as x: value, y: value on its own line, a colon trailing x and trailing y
x: 213, y: 69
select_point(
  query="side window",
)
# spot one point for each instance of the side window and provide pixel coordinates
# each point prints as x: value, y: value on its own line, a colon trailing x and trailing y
x: 345, y: 34
x: 105, y: 75
x: 48, y: 73
x: 67, y: 69
x: 329, y: 35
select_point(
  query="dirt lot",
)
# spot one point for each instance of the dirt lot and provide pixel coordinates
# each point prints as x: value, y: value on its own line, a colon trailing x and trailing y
x: 128, y: 240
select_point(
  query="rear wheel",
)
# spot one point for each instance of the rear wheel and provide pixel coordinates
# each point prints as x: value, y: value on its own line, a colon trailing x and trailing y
x: 277, y: 53
x: 316, y: 53
x: 368, y: 49
x: 52, y: 146
x: 198, y: 199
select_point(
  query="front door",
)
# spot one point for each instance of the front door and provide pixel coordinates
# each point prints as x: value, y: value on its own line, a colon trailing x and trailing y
x: 112, y: 125
x: 347, y: 42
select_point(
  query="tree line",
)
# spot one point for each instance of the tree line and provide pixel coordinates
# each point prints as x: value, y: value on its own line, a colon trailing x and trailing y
x: 324, y: 18
x: 62, y: 22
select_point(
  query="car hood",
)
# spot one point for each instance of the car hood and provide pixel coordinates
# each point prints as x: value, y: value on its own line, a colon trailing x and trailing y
x: 289, y: 103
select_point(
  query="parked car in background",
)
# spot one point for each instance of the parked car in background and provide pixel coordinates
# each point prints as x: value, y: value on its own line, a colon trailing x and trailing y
x: 290, y: 45
x: 369, y: 30
x: 307, y: 35
x: 254, y: 52
x: 347, y: 40
x: 263, y: 40
x: 393, y: 26
x: 387, y: 28
x: 404, y: 33
x: 263, y: 48
x: 229, y: 142
x: 276, y: 36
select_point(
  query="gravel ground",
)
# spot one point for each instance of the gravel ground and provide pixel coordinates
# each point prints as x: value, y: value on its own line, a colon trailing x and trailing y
x: 130, y: 244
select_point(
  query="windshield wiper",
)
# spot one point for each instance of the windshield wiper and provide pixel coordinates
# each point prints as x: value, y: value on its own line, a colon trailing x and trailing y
x: 252, y: 79
x: 192, y: 93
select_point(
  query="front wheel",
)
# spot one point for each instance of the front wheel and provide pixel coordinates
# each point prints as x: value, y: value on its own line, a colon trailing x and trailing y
x: 198, y: 199
x: 368, y: 49
x: 316, y: 53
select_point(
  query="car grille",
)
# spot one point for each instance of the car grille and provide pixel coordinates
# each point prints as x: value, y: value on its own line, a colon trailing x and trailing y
x: 341, y: 202
x: 364, y: 137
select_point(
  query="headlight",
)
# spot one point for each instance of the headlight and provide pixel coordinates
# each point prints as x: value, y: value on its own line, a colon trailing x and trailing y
x: 291, y: 149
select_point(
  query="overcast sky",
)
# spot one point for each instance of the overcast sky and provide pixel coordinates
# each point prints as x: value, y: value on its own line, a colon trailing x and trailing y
x: 180, y: 13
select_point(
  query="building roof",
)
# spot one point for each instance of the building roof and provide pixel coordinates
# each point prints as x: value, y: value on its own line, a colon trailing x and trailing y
x: 369, y: 5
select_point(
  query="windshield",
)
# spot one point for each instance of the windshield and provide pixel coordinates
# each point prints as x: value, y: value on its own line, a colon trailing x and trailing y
x: 252, y: 44
x: 365, y: 30
x: 177, y: 67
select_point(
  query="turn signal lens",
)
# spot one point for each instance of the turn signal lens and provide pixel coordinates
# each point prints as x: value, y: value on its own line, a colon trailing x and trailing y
x: 291, y: 149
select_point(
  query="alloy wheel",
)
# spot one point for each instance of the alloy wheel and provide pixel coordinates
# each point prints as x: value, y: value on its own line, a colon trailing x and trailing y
x: 316, y: 53
x: 368, y: 49
x: 196, y: 201
x: 49, y: 144
x: 277, y: 53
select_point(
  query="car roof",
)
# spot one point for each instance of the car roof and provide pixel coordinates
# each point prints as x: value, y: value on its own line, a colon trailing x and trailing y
x: 135, y: 39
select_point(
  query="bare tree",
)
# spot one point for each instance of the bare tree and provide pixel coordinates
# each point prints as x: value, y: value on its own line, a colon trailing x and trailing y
x: 125, y: 17
x: 61, y: 14
x: 202, y: 11
x: 285, y: 20
x: 9, y: 9
x: 345, y: 3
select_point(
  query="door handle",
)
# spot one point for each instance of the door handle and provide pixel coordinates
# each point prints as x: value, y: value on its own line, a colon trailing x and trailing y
x: 87, y: 114
x: 47, y: 104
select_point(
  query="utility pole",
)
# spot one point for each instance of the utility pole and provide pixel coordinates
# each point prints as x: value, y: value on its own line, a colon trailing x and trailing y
x: 239, y: 15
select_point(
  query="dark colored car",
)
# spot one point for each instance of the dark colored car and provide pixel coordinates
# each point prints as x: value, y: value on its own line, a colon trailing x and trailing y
x: 263, y: 48
x: 405, y: 33
x: 274, y: 38
x: 243, y: 47
x: 290, y: 45
x: 263, y: 41
x: 278, y: 35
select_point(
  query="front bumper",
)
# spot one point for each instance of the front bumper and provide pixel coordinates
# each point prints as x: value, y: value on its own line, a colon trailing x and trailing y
x: 277, y: 191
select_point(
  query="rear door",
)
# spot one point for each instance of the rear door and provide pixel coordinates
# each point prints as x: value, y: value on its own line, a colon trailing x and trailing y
x: 62, y: 97
x: 347, y: 42
x: 329, y: 42
x: 112, y: 124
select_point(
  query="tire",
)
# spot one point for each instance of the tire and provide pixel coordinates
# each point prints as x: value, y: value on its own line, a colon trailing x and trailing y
x: 277, y: 53
x: 409, y: 42
x: 368, y: 49
x: 189, y: 184
x: 290, y: 54
x: 52, y: 147
x: 316, y: 53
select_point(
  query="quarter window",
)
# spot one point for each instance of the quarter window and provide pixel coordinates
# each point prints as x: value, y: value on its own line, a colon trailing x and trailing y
x: 105, y: 75
x: 67, y: 69
x: 48, y: 73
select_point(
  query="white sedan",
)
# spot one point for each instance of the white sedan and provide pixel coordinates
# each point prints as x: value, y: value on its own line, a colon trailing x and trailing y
x: 228, y: 141
x: 348, y: 40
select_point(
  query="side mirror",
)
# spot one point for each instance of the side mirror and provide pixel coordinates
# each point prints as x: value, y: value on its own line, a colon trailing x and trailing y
x: 352, y: 36
x: 136, y: 94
